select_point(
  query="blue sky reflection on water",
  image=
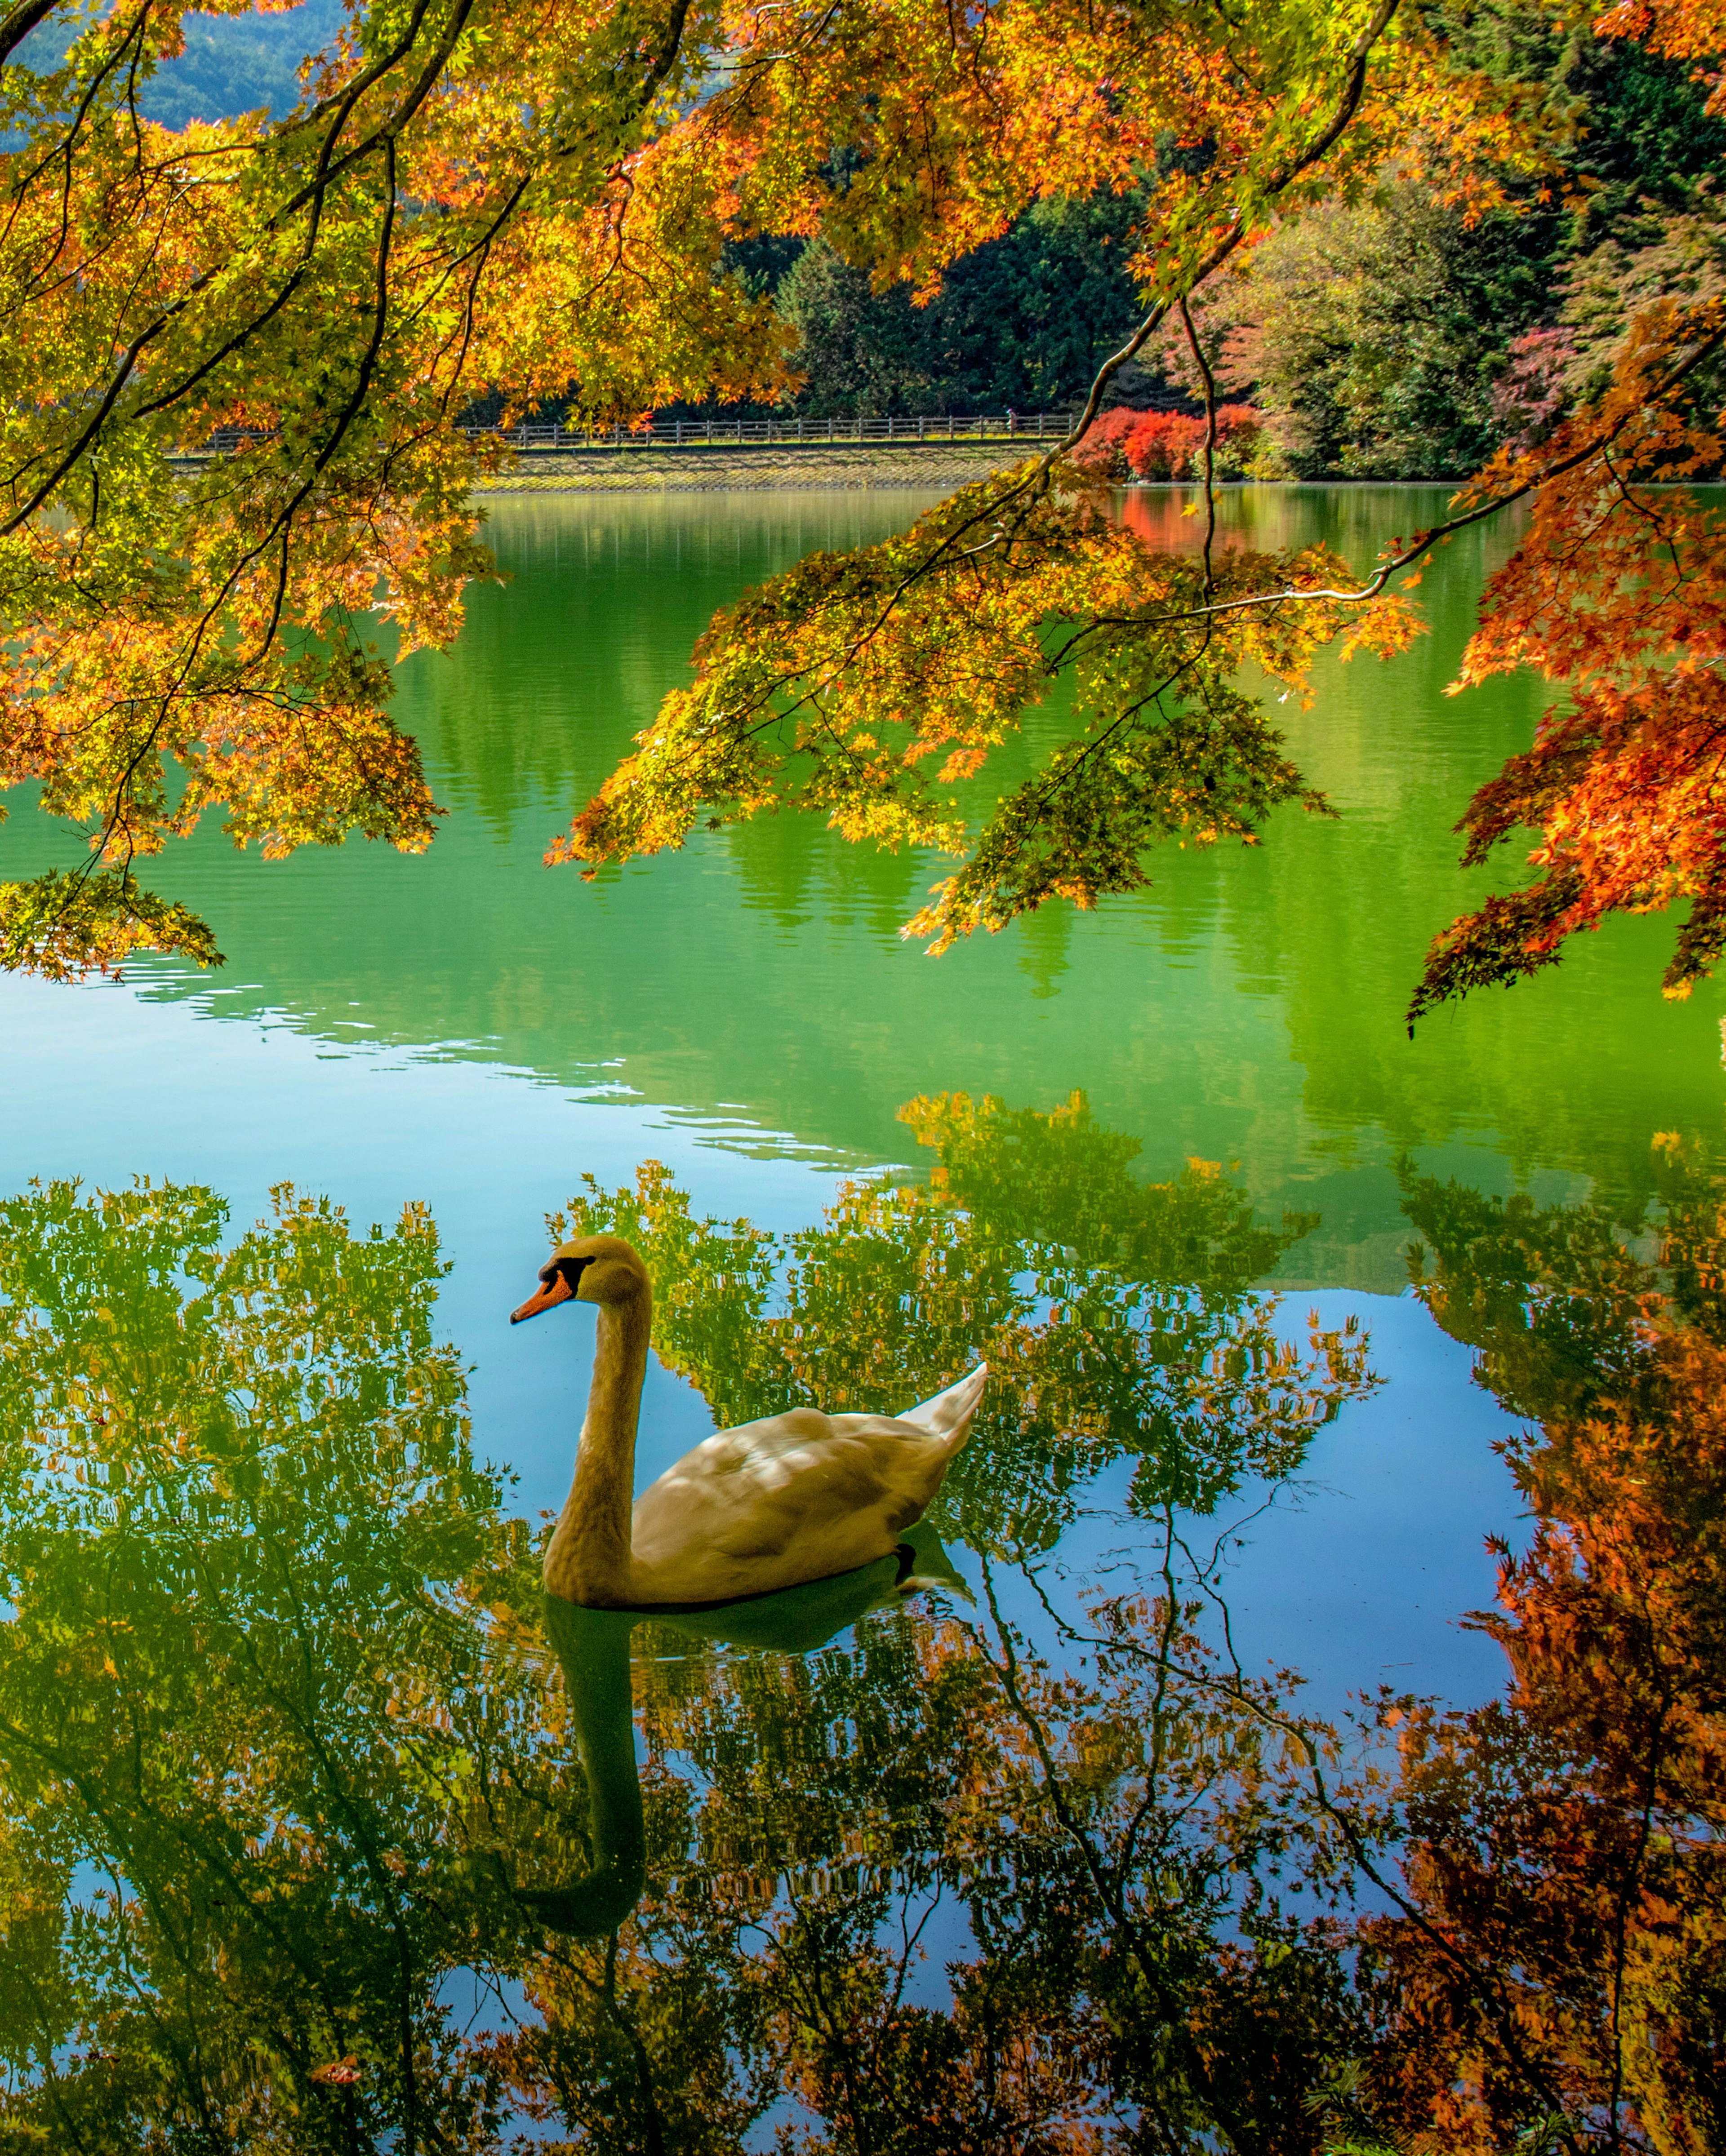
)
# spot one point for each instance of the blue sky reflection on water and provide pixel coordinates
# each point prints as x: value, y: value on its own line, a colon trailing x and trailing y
x: 470, y: 1032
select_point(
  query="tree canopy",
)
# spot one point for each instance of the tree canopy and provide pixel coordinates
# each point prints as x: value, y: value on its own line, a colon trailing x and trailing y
x: 554, y: 202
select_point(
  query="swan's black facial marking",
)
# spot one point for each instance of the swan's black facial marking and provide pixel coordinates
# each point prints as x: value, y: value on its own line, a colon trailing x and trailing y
x: 569, y: 1271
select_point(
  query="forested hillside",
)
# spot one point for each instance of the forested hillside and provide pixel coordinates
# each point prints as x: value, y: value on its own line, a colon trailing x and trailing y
x: 232, y: 64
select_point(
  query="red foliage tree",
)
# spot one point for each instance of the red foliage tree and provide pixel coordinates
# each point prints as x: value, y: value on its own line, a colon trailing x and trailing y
x: 1164, y: 445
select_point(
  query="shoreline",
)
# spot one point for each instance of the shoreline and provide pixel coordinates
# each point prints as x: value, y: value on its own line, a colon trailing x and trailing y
x: 699, y: 469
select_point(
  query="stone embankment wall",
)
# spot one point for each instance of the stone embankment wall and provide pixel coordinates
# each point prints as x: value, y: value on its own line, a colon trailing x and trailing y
x: 778, y: 465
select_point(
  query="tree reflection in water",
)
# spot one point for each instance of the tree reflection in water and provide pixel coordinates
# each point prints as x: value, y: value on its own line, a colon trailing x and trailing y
x: 1117, y: 1317
x: 288, y: 1736
x: 1559, y: 1970
x: 246, y: 1714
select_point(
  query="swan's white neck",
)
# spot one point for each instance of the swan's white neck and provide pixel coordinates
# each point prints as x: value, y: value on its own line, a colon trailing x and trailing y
x: 589, y: 1560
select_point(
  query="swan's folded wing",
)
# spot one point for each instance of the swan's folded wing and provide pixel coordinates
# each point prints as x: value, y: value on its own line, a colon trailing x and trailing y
x: 830, y: 1497
x: 835, y: 1489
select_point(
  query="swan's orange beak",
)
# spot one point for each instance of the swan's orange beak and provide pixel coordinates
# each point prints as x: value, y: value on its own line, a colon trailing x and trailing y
x: 555, y: 1290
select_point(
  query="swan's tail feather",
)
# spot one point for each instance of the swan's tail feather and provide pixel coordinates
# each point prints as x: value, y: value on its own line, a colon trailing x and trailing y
x: 948, y: 1415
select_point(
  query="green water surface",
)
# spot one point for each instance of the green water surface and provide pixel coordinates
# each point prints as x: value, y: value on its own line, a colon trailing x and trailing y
x: 297, y: 1769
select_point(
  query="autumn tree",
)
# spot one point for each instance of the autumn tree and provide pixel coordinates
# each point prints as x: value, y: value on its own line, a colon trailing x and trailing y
x: 867, y: 685
x: 529, y: 202
x: 523, y: 202
x: 465, y: 194
x: 848, y: 682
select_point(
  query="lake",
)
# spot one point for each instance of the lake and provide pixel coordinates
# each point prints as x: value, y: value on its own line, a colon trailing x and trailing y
x: 1130, y: 1800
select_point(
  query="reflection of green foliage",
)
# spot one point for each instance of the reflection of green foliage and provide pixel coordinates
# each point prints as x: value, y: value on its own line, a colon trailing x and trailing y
x: 1556, y: 1298
x: 281, y: 1745
x: 1088, y: 1852
x: 280, y: 1748
x: 1116, y: 1316
x: 1136, y: 1865
x: 239, y: 1699
x: 1544, y: 1292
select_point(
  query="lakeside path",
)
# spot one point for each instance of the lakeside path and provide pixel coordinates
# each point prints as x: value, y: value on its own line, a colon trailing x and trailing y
x: 698, y: 470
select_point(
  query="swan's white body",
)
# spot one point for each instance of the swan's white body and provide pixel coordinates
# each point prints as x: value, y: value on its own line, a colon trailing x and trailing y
x: 795, y: 1498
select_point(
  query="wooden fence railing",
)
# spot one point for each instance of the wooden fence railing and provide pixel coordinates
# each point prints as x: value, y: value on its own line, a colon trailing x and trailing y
x: 703, y: 433
x: 721, y: 434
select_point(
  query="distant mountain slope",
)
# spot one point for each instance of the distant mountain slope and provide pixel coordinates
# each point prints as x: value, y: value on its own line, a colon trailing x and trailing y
x: 231, y: 63
x: 235, y: 64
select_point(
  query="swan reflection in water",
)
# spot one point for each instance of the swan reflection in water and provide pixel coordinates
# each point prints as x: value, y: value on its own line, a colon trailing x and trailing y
x: 776, y: 1536
x: 592, y: 1649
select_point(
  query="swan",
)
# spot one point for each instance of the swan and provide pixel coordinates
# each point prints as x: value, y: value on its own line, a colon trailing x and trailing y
x: 795, y: 1498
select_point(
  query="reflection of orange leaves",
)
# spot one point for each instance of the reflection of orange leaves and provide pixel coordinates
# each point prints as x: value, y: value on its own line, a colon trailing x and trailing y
x: 1568, y: 1924
x: 340, y: 2073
